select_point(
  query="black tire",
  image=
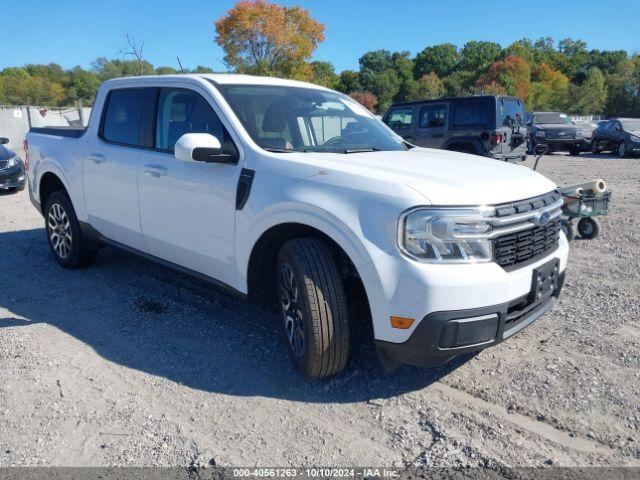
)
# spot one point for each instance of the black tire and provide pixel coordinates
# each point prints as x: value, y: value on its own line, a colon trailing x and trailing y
x: 61, y: 223
x: 568, y: 229
x: 316, y: 324
x: 622, y: 149
x: 588, y: 228
x: 595, y: 149
x: 574, y: 152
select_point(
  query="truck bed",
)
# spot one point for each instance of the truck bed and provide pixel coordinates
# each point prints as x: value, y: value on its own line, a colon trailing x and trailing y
x: 70, y: 132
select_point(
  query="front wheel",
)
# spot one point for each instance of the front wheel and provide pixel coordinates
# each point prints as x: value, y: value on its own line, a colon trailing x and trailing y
x: 574, y: 152
x: 595, y: 148
x: 568, y: 229
x: 314, y: 308
x: 588, y: 228
x: 63, y: 232
x: 622, y: 149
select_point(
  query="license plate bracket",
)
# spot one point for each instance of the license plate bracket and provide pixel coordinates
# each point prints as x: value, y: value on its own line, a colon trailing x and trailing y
x: 545, y: 280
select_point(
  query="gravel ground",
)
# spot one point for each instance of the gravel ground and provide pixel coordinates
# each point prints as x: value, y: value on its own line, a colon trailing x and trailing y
x: 128, y: 363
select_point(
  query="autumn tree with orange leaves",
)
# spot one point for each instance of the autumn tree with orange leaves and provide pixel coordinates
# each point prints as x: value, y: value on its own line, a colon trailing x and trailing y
x: 263, y: 38
x: 513, y: 74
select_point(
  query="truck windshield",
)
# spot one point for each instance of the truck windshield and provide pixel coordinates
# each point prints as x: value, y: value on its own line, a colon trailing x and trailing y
x: 286, y: 119
x: 551, y: 118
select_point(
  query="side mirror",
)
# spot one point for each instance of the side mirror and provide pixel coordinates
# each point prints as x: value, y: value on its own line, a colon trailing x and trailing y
x: 4, y: 140
x: 201, y: 147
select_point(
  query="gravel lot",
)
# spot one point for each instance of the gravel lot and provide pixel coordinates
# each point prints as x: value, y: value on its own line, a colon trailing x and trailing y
x: 128, y: 363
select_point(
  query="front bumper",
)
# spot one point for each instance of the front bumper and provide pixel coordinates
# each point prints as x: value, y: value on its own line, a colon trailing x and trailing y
x: 563, y: 145
x: 14, y: 177
x: 441, y: 336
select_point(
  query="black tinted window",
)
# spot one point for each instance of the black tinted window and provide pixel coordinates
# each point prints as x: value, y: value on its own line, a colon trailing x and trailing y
x: 433, y: 116
x: 183, y: 111
x: 123, y: 116
x: 471, y: 114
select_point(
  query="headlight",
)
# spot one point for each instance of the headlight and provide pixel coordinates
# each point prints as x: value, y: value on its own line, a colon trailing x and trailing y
x: 446, y: 235
x: 634, y: 138
x: 12, y: 162
x: 541, y: 133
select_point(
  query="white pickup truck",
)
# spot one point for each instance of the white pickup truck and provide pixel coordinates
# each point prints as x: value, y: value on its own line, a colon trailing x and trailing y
x: 298, y: 198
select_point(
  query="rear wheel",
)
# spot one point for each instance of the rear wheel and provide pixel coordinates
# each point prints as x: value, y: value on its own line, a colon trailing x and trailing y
x: 588, y: 228
x: 574, y: 152
x: 314, y: 308
x: 63, y: 232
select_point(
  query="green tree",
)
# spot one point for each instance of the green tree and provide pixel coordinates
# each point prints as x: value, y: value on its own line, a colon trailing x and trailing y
x: 83, y: 87
x: 590, y: 97
x: 165, y: 71
x: 439, y: 59
x: 476, y: 56
x: 431, y: 86
x: 324, y: 74
x: 349, y: 81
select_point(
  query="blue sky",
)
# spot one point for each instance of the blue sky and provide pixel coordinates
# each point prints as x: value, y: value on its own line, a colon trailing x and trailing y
x: 76, y: 32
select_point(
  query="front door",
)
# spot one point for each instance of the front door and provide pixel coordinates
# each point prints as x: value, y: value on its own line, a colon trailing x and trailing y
x: 110, y: 169
x: 187, y: 209
x: 432, y: 125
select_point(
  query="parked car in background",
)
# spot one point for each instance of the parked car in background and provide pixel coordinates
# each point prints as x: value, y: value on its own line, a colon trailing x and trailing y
x: 586, y: 127
x: 619, y: 135
x: 12, y: 176
x: 297, y: 197
x: 556, y: 131
x: 491, y: 126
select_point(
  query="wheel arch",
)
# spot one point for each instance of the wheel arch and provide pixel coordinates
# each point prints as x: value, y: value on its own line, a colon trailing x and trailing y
x: 465, y: 145
x: 50, y: 182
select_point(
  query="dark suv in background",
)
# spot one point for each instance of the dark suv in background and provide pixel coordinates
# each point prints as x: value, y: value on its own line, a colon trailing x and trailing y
x: 491, y: 126
x: 556, y: 131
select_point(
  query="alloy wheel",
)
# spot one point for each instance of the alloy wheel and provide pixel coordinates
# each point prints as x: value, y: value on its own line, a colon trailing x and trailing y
x: 59, y: 230
x: 622, y: 150
x: 291, y: 312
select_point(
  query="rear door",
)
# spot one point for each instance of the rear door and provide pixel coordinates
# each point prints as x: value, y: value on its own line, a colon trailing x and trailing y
x: 110, y: 169
x: 431, y: 129
x: 187, y: 209
x: 400, y: 120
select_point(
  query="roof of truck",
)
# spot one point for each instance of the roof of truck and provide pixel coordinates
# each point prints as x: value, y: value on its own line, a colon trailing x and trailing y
x: 451, y: 99
x: 224, y: 79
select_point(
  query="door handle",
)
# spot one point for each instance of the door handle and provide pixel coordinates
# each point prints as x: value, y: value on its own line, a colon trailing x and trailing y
x: 155, y: 170
x: 97, y: 158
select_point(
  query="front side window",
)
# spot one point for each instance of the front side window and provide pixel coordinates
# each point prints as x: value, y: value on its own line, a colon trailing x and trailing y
x: 400, y: 118
x: 471, y: 114
x: 123, y: 116
x: 285, y: 118
x: 183, y: 111
x: 433, y: 116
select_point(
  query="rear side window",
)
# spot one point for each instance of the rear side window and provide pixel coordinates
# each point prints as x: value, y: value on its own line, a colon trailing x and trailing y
x: 471, y: 114
x: 123, y: 116
x: 510, y: 112
x: 433, y: 116
x: 400, y: 118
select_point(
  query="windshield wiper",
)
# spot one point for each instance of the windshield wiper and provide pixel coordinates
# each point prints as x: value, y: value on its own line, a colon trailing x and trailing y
x: 362, y: 150
x: 279, y: 150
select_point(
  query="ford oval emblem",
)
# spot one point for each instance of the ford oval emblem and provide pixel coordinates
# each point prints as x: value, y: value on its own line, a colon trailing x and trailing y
x: 543, y: 218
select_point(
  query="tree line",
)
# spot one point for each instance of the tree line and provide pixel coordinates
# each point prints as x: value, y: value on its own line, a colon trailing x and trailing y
x: 263, y: 38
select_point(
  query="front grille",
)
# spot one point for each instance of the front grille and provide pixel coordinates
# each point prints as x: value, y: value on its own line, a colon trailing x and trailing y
x: 515, y: 248
x: 561, y: 134
x: 527, y: 243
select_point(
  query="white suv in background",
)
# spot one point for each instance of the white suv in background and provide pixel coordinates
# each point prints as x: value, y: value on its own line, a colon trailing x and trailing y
x: 297, y: 197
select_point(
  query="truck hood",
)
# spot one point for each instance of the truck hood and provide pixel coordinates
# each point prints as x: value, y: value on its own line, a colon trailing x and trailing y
x: 442, y: 177
x: 557, y: 127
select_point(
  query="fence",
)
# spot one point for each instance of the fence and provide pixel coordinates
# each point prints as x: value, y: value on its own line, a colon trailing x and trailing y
x: 15, y: 121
